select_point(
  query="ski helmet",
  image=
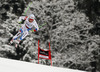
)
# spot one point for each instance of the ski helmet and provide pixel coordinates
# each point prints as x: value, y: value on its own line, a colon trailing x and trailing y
x: 31, y: 17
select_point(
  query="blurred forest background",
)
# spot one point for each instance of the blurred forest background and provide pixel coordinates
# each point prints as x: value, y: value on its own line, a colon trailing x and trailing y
x: 73, y: 29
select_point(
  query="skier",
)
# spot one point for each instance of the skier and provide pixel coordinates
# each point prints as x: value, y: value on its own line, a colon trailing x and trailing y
x: 29, y: 23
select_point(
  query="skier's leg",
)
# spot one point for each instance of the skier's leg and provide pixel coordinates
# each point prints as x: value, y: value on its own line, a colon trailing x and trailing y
x: 16, y: 36
x: 21, y: 38
x: 24, y: 35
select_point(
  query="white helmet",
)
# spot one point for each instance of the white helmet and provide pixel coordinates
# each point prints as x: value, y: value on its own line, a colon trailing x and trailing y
x: 31, y: 17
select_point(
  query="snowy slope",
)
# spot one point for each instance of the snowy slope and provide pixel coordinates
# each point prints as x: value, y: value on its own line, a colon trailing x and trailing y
x: 7, y: 65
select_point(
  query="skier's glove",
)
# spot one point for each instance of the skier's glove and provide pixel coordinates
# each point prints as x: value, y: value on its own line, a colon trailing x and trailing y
x: 34, y: 30
x: 21, y: 22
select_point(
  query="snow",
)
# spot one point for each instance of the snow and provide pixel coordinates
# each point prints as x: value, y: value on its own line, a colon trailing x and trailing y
x: 7, y: 65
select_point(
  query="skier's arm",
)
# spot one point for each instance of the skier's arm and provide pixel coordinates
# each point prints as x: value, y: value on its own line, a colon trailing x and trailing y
x: 36, y: 26
x: 22, y: 19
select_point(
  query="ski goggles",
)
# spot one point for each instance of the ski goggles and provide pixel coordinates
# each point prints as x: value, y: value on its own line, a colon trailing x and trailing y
x: 31, y: 20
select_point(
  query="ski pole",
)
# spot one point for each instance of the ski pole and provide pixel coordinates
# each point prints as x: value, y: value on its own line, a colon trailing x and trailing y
x: 27, y: 8
x: 40, y: 26
x: 26, y: 11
